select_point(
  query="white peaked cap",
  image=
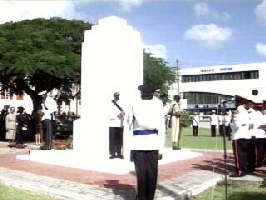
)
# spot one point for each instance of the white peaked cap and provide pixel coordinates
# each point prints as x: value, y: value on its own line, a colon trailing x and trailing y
x: 42, y: 93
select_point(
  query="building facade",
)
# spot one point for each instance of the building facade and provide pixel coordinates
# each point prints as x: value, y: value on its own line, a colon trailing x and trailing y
x: 208, y: 87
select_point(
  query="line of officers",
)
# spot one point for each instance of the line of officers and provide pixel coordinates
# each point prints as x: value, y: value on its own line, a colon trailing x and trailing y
x: 248, y: 125
x: 222, y: 121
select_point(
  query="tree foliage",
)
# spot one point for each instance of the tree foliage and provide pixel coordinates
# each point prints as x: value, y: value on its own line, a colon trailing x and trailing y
x: 157, y: 73
x: 45, y: 54
x: 40, y: 54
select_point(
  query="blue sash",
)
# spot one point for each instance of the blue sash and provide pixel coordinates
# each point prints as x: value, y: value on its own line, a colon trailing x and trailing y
x: 145, y: 132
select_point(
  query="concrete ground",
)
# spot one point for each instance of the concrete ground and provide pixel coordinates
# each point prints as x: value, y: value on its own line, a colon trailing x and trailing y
x: 177, y: 180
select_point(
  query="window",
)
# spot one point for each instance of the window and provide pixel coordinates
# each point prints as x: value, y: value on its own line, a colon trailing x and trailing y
x: 222, y: 76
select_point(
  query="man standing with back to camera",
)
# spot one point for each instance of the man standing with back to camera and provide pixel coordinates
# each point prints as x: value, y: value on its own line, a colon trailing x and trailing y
x: 148, y: 124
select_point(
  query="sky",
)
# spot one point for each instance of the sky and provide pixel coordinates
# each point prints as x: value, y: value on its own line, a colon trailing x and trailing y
x: 194, y: 33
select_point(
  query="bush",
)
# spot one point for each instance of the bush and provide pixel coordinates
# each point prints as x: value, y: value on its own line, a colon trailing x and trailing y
x: 186, y: 119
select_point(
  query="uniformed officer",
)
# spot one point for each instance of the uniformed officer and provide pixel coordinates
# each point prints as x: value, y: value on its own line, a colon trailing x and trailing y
x: 213, y: 123
x: 116, y: 120
x: 148, y: 124
x: 49, y: 107
x: 258, y: 122
x: 175, y: 121
x: 240, y: 140
x: 195, y: 124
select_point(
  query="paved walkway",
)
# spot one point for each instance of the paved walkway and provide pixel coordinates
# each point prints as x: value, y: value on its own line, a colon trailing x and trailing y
x: 177, y: 181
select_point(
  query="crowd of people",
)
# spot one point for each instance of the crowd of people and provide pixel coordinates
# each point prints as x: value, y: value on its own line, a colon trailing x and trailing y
x: 17, y: 126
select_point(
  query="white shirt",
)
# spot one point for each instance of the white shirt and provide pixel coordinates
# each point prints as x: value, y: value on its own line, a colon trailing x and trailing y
x: 214, y: 119
x: 221, y: 119
x: 227, y: 119
x: 148, y: 115
x: 48, y: 108
x: 195, y: 121
x: 255, y: 120
x: 113, y: 112
x: 240, y: 124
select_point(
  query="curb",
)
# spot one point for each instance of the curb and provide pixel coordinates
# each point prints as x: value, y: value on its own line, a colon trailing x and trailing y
x: 175, y: 189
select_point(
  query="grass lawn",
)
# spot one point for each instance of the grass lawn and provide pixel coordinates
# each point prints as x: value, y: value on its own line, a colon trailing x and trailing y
x: 202, y: 141
x: 233, y: 193
x: 10, y: 193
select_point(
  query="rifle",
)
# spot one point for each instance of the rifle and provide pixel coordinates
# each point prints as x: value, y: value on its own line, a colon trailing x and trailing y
x: 121, y: 115
x: 171, y: 113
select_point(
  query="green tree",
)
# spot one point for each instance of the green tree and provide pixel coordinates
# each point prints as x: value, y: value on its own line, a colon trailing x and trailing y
x: 45, y: 54
x: 40, y: 54
x: 157, y: 73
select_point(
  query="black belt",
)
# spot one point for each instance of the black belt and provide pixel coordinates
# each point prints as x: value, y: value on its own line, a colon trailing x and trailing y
x: 145, y: 132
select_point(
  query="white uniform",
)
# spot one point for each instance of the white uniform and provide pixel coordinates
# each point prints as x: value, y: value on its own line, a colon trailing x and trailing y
x: 258, y: 142
x: 241, y: 140
x: 148, y: 115
x: 113, y: 112
x: 255, y: 120
x: 48, y: 108
x: 240, y: 124
x: 148, y: 125
x: 196, y: 120
x: 213, y: 123
x: 214, y: 120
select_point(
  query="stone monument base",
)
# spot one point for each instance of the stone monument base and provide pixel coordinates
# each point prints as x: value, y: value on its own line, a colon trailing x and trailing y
x: 74, y: 159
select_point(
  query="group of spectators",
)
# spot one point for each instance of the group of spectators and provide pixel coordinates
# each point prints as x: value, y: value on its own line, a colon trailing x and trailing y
x: 16, y: 127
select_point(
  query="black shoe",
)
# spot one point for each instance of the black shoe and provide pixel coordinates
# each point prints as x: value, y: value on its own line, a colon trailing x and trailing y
x: 251, y: 170
x: 176, y: 148
x: 233, y: 175
x: 237, y: 175
x: 120, y: 156
x: 111, y: 157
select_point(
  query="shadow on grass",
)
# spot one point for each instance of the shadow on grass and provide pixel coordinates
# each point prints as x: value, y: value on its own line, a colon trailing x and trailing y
x: 241, y: 195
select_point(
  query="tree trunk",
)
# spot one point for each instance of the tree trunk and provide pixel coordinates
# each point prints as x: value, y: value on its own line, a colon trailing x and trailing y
x: 36, y: 100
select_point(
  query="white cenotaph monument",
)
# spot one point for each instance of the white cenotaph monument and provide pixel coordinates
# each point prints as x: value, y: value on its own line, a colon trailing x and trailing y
x: 111, y: 61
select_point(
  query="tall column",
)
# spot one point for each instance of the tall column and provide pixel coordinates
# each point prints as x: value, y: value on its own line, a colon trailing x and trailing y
x: 112, y: 60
